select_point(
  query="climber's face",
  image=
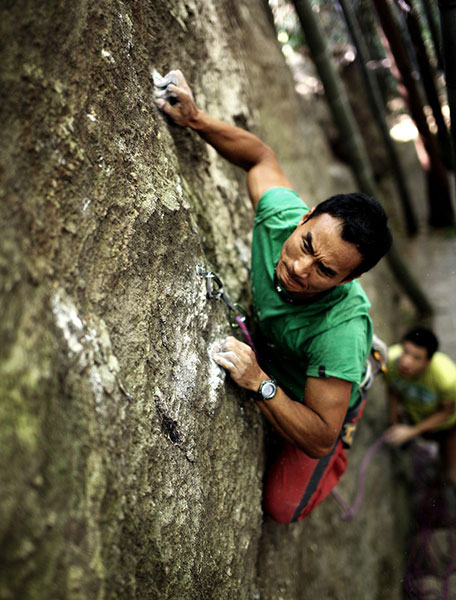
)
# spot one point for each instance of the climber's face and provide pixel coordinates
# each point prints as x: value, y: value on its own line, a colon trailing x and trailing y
x: 315, y: 258
x: 413, y: 361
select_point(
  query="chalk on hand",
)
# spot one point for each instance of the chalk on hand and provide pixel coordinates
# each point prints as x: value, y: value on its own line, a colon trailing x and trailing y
x: 162, y: 82
x: 161, y: 86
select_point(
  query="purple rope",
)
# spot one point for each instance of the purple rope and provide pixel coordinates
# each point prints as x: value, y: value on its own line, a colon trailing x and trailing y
x: 340, y: 501
x: 248, y: 338
x: 349, y: 513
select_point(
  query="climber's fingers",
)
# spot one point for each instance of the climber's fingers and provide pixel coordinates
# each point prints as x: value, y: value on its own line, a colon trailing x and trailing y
x: 240, y: 361
x: 174, y: 97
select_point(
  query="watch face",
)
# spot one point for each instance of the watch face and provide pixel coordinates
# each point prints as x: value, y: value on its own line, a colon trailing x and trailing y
x: 268, y: 389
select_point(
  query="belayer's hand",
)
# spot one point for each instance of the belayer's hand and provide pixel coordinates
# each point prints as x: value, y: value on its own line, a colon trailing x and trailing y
x: 240, y: 361
x: 174, y: 97
x: 399, y: 434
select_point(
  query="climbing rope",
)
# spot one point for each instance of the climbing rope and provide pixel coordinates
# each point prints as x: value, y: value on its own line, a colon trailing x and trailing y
x: 350, y: 512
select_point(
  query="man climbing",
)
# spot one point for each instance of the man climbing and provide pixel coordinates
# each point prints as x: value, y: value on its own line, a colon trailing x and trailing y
x: 311, y: 314
x: 422, y: 395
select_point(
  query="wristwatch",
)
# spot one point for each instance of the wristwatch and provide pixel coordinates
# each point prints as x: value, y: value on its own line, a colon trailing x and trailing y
x: 267, y: 389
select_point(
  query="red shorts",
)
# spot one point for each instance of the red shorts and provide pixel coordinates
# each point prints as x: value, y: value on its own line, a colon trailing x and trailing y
x: 296, y: 483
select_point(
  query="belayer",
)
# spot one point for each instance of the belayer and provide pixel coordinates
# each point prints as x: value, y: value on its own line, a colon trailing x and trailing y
x: 422, y: 396
x: 314, y: 330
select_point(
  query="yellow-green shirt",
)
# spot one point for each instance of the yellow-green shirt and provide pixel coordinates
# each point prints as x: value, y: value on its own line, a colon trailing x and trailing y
x: 426, y: 395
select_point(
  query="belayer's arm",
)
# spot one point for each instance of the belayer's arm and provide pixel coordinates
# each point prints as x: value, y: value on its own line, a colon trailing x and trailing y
x: 436, y: 419
x: 393, y: 403
x: 236, y: 145
x: 399, y: 434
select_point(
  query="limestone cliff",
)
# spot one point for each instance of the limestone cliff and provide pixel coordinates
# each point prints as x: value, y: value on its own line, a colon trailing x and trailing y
x: 130, y: 467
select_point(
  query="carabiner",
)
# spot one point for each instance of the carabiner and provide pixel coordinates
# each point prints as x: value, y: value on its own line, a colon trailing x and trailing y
x: 215, y: 291
x: 211, y: 279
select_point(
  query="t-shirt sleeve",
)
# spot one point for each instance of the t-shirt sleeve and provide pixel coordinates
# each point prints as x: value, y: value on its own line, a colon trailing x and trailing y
x: 341, y: 352
x: 279, y: 201
x: 446, y: 380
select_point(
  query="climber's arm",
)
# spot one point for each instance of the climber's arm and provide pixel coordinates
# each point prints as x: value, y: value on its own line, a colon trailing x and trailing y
x: 237, y: 145
x: 313, y: 426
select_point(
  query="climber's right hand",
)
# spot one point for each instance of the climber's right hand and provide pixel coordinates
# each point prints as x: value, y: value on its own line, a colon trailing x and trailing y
x: 174, y: 97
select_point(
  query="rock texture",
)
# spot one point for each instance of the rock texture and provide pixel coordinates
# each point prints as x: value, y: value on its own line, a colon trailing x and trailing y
x: 130, y: 468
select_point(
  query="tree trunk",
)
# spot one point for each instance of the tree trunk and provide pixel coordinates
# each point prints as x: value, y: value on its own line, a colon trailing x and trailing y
x: 368, y: 22
x: 433, y: 24
x: 376, y: 103
x: 448, y: 24
x: 352, y: 139
x: 439, y: 198
x: 428, y: 80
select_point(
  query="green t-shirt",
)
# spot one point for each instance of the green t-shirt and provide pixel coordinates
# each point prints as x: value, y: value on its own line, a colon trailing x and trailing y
x: 426, y: 395
x: 328, y: 337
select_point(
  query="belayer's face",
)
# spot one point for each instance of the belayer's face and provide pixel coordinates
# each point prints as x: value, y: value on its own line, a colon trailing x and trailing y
x: 315, y: 258
x: 413, y: 361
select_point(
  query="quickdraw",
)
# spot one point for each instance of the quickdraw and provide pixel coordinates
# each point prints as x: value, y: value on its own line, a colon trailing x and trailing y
x: 215, y: 291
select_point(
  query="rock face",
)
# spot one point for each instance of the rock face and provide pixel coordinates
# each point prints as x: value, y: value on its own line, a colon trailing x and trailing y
x: 130, y: 468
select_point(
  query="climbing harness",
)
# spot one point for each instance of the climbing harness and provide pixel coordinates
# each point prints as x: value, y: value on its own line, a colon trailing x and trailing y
x: 237, y: 315
x: 375, y: 364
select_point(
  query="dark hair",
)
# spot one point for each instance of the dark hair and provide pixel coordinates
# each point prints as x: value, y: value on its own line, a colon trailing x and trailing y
x: 425, y: 338
x: 364, y: 224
